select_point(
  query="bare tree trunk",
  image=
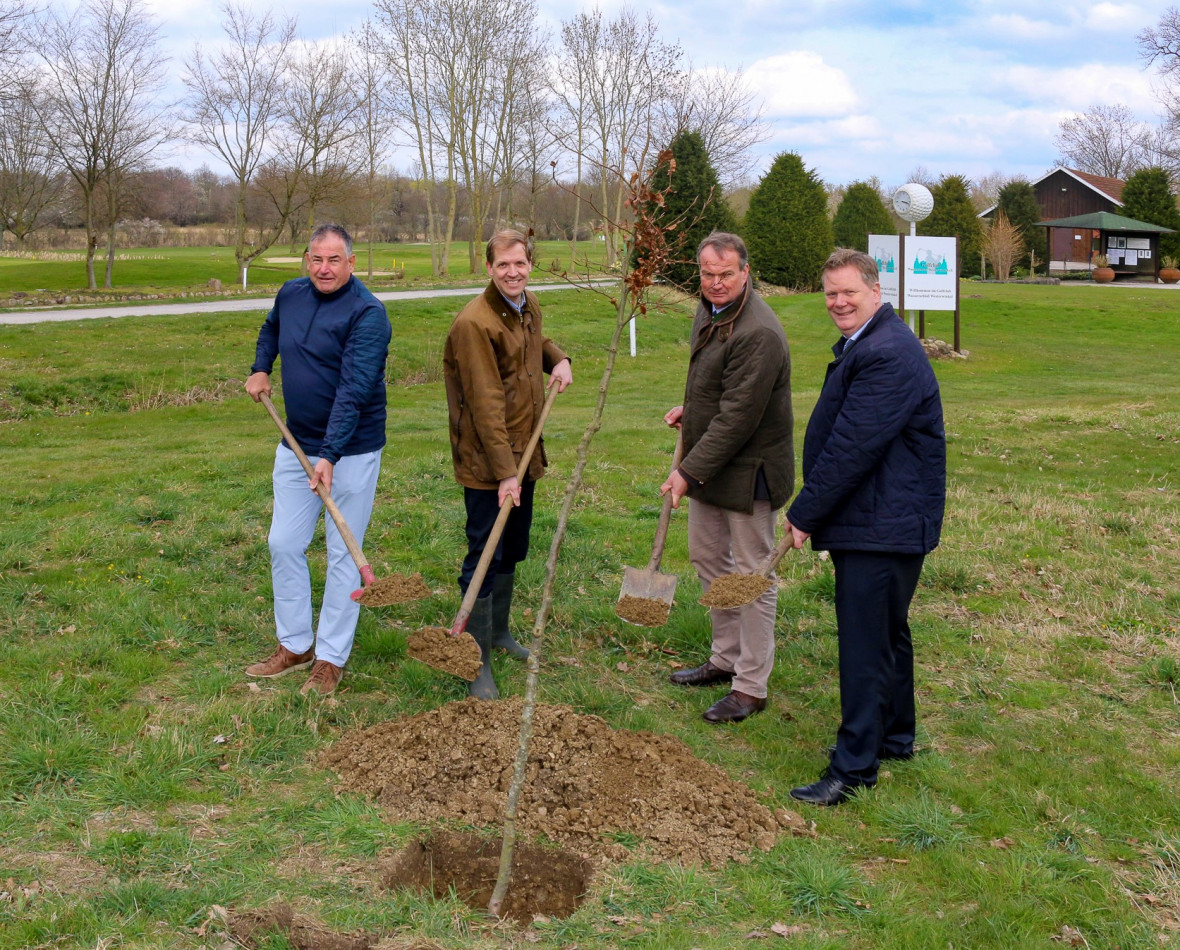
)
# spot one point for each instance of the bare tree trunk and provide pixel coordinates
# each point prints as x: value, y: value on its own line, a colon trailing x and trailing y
x: 624, y: 314
x: 646, y: 249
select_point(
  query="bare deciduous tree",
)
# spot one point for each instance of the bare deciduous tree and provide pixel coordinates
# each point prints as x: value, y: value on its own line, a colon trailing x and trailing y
x: 234, y: 103
x: 413, y: 40
x: 30, y: 179
x: 1104, y: 140
x: 319, y: 141
x: 101, y: 73
x: 14, y: 14
x: 1002, y: 245
x: 375, y: 114
x: 628, y: 78
x: 720, y: 106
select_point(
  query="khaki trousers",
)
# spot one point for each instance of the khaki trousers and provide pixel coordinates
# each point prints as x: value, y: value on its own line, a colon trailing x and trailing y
x: 733, y: 542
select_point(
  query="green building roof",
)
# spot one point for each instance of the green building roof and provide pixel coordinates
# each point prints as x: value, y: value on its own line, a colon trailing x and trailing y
x: 1105, y: 221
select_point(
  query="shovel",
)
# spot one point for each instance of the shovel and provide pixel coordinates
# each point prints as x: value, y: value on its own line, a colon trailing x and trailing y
x: 373, y: 593
x: 738, y: 590
x: 646, y: 596
x: 455, y: 651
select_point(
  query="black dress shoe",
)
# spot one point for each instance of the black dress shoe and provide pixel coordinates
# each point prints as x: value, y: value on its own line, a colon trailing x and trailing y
x: 704, y: 675
x: 829, y: 790
x: 734, y: 707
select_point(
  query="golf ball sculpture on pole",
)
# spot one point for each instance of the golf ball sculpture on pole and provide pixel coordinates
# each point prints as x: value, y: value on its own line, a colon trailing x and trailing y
x: 913, y: 203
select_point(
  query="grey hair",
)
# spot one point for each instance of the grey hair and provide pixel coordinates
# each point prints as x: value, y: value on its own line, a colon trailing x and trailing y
x: 722, y: 241
x: 324, y: 230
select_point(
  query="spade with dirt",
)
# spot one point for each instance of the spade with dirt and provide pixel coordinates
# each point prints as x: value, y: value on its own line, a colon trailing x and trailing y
x: 455, y: 651
x: 397, y: 589
x: 646, y: 596
x: 738, y: 590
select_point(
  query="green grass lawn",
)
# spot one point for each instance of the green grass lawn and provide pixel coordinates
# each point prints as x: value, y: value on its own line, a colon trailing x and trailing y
x: 189, y: 269
x: 142, y: 783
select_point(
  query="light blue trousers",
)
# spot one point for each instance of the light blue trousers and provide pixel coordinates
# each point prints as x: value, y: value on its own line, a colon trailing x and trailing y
x: 296, y: 511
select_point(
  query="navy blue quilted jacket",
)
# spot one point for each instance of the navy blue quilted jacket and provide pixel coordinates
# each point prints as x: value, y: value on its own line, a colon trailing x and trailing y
x: 874, y: 457
x: 331, y: 349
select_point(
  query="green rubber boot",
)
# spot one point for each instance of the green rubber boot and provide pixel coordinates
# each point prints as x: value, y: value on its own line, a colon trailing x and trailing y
x: 479, y: 625
x: 501, y: 611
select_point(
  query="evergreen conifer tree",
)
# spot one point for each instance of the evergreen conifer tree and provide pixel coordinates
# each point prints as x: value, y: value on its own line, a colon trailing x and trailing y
x: 954, y: 216
x: 1018, y: 202
x: 1147, y: 196
x: 695, y: 201
x: 860, y: 214
x: 787, y: 228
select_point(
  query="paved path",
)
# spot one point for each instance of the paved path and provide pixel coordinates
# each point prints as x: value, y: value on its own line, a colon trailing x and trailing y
x: 229, y: 304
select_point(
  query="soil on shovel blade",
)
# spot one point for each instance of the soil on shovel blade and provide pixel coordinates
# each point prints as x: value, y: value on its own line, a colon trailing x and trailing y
x: 398, y: 589
x: 435, y: 647
x: 643, y: 611
x: 735, y: 590
x: 589, y: 787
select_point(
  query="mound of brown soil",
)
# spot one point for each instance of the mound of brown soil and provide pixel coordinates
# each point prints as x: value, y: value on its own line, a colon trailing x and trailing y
x: 590, y: 787
x: 257, y: 928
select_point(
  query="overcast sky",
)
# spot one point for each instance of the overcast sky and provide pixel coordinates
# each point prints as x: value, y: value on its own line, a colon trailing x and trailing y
x: 865, y: 88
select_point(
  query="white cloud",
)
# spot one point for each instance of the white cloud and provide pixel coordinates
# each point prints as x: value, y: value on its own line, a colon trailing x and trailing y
x: 1079, y: 87
x: 799, y: 83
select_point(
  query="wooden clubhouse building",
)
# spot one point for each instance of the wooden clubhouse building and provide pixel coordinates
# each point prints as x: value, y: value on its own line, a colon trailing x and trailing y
x: 1082, y: 215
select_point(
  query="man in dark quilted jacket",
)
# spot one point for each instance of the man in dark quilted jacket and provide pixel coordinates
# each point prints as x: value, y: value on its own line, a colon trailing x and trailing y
x: 874, y: 489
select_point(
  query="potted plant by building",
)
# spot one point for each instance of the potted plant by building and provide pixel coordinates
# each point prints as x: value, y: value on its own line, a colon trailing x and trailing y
x: 1100, y: 269
x: 1169, y: 272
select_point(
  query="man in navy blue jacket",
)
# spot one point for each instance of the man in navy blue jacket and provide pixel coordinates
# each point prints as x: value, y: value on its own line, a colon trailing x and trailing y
x: 331, y: 336
x: 874, y: 489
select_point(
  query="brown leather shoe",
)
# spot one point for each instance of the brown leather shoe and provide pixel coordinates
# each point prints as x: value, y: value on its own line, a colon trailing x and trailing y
x: 324, y: 679
x: 704, y: 675
x: 734, y: 707
x: 280, y: 662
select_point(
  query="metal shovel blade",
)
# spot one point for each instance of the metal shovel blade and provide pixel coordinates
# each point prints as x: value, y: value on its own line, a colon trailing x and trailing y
x: 646, y: 597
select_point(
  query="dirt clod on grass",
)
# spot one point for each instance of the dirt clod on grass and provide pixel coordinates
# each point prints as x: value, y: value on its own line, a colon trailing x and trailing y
x: 397, y: 589
x: 257, y: 928
x: 735, y: 590
x: 589, y: 787
x: 543, y: 881
x: 435, y: 647
x: 643, y: 610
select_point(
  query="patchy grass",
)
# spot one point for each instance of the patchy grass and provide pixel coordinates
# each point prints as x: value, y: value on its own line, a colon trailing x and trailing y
x: 144, y: 783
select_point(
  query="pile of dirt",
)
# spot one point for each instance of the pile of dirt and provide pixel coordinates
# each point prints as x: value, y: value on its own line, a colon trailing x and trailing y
x: 258, y: 928
x: 589, y: 787
x: 435, y: 647
x: 398, y: 589
x: 735, y: 590
x: 643, y: 611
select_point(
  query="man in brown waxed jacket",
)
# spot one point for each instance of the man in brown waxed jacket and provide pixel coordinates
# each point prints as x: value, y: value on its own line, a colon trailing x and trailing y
x: 738, y: 466
x: 494, y: 365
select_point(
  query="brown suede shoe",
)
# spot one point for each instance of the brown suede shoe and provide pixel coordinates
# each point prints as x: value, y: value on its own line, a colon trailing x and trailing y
x: 324, y: 679
x: 280, y: 662
x: 704, y: 675
x: 734, y: 708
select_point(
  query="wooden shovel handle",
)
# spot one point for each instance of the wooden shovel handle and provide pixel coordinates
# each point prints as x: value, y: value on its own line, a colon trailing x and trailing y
x: 777, y: 554
x: 367, y: 576
x: 657, y: 548
x: 489, y: 548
